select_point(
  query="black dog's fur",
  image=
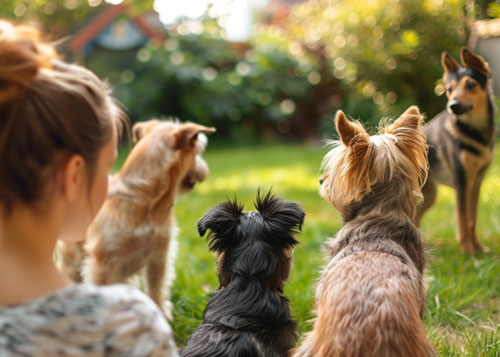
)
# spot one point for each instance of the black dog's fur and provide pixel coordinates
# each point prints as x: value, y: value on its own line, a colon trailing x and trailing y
x: 248, y: 315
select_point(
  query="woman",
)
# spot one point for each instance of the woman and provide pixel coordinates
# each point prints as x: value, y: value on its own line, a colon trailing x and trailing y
x: 58, y: 133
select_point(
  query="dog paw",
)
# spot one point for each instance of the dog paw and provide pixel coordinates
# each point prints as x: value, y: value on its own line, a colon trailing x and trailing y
x: 468, y: 248
x: 167, y: 310
x: 474, y: 247
x: 479, y: 248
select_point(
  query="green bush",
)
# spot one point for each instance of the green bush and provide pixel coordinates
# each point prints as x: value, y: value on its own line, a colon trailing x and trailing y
x: 370, y: 58
x: 245, y: 90
x: 386, y: 53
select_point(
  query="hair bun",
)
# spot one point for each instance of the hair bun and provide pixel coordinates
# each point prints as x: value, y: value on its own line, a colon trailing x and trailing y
x: 22, y: 54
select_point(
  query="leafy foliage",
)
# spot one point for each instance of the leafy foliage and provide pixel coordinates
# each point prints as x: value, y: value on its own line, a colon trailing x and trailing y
x: 58, y: 17
x: 370, y: 58
x: 204, y: 78
x: 386, y: 53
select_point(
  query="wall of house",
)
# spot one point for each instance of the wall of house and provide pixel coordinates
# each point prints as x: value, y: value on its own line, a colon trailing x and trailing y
x: 489, y: 48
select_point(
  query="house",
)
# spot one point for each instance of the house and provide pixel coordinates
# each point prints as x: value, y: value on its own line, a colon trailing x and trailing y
x: 108, y: 42
x: 485, y: 40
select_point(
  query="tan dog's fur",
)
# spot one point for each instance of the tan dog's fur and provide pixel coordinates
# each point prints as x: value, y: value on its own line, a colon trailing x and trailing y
x: 136, y: 226
x: 370, y: 297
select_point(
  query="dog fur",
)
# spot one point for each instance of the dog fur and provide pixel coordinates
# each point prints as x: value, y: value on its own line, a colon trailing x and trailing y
x: 248, y: 315
x: 136, y: 228
x: 461, y: 141
x: 370, y: 298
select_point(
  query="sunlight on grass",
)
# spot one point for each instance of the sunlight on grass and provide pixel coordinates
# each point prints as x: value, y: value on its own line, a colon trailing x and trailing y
x: 440, y: 221
x: 463, y: 306
x: 289, y: 177
x: 490, y: 189
x: 446, y: 193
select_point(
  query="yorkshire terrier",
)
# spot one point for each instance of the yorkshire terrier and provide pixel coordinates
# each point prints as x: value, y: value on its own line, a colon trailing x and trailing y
x: 370, y: 298
x: 248, y: 314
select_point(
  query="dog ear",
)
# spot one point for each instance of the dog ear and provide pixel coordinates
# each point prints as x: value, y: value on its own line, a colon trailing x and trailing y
x: 188, y: 134
x: 470, y: 59
x: 284, y: 219
x: 410, y: 139
x: 410, y: 119
x: 448, y: 63
x: 222, y: 220
x: 349, y: 132
x: 141, y: 129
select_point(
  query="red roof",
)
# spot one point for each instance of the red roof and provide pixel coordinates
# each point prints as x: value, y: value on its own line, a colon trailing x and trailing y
x: 102, y: 20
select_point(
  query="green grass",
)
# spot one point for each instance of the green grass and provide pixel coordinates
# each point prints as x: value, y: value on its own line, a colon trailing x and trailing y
x: 463, y: 299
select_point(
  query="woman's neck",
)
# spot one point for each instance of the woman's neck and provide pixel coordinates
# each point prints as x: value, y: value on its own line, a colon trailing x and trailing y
x: 27, y: 241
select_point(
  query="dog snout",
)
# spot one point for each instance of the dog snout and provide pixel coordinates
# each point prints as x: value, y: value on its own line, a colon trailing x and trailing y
x: 458, y: 108
x: 200, y: 169
x: 454, y: 105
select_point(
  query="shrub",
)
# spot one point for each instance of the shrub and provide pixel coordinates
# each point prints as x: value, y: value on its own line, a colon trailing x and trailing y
x: 386, y: 53
x: 370, y: 58
x: 245, y: 90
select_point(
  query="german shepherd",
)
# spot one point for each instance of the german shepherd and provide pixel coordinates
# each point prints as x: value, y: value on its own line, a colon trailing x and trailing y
x: 461, y: 141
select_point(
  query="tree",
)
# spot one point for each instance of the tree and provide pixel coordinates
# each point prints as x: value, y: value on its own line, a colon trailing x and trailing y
x: 386, y: 53
x: 247, y: 90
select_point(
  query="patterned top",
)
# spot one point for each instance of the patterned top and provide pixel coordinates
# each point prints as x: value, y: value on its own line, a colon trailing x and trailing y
x: 86, y: 320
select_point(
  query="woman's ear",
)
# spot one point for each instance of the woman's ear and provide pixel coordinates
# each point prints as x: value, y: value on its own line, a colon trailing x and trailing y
x: 74, y: 177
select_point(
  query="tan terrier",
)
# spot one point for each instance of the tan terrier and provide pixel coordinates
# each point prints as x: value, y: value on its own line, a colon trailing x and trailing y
x: 136, y: 228
x: 370, y: 298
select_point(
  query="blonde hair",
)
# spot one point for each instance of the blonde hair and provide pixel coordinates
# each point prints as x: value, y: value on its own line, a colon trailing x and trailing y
x: 47, y: 107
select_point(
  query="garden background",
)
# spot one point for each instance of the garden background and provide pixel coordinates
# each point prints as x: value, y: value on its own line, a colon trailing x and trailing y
x: 272, y: 97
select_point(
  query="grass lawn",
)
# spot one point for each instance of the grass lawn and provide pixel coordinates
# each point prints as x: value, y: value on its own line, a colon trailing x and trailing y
x: 463, y: 298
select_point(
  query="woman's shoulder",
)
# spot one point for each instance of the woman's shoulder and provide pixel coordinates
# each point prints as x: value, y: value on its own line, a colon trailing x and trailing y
x: 101, y: 319
x: 134, y: 321
x: 85, y: 298
x: 112, y: 296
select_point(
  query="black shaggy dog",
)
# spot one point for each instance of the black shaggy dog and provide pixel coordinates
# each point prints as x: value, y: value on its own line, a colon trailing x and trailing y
x: 248, y: 315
